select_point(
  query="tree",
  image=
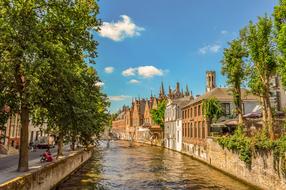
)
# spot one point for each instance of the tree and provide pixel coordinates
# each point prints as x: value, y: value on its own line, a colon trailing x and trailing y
x: 235, y: 69
x: 280, y: 25
x: 36, y: 37
x: 259, y: 42
x: 211, y: 110
x: 159, y: 114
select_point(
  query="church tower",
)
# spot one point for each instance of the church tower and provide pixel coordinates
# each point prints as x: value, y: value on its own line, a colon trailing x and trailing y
x: 210, y: 80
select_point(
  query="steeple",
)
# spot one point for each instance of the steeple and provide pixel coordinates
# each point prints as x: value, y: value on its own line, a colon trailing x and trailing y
x: 162, y: 91
x: 177, y: 87
x: 170, y: 92
x: 187, y: 92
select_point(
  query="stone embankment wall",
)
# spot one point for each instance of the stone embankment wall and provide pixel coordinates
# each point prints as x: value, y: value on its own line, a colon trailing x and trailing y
x: 49, y: 175
x: 262, y: 172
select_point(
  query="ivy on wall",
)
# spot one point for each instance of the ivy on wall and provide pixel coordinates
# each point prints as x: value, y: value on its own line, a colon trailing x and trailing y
x: 246, y: 146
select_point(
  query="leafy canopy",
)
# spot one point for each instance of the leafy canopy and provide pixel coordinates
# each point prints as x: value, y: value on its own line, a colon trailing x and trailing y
x: 212, y: 109
x: 159, y: 113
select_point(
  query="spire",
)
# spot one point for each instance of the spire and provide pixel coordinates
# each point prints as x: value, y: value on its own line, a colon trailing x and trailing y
x: 170, y: 92
x: 187, y: 92
x: 177, y: 87
x: 162, y: 91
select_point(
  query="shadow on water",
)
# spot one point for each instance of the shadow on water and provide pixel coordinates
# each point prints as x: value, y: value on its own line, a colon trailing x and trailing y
x: 117, y: 166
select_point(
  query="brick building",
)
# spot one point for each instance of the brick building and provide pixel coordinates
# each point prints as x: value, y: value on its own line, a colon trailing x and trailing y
x: 136, y: 121
x: 195, y: 128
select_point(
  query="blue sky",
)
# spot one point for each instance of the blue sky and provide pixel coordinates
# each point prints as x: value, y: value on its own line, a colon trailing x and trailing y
x: 143, y: 43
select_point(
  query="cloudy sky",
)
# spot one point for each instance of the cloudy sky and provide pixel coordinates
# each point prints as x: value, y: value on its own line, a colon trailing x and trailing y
x: 142, y: 43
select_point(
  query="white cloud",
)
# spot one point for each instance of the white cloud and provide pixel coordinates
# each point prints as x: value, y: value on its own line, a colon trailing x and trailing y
x: 215, y: 48
x: 109, y: 70
x: 118, y: 98
x: 99, y: 84
x: 129, y: 72
x: 148, y: 71
x: 210, y: 49
x: 224, y: 32
x: 134, y: 81
x: 118, y: 31
x: 203, y: 50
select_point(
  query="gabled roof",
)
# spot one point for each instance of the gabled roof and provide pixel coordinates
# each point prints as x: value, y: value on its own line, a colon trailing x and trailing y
x: 181, y: 102
x: 224, y: 94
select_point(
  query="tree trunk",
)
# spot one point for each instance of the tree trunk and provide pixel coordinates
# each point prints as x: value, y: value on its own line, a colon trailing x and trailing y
x: 269, y: 115
x: 269, y: 118
x: 264, y: 111
x: 23, y: 164
x: 239, y: 106
x: 73, y: 142
x: 60, y: 145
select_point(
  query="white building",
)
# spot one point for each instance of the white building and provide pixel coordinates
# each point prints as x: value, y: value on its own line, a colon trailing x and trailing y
x: 173, y: 123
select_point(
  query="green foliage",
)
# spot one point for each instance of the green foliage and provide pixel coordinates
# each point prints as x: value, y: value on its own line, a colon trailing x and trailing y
x: 212, y: 109
x: 280, y: 24
x: 240, y: 143
x: 159, y: 114
x: 261, y: 141
x: 44, y: 47
x: 236, y: 70
x: 246, y: 146
x: 233, y: 64
x: 259, y: 42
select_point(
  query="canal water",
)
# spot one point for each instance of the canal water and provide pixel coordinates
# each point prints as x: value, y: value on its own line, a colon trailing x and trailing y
x: 119, y: 166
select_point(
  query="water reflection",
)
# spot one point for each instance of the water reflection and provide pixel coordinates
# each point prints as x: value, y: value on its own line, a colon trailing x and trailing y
x: 146, y: 167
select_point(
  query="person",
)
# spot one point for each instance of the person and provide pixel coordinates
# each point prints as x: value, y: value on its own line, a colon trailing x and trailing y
x: 48, y: 156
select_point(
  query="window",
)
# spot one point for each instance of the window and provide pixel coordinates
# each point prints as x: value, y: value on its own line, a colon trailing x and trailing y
x: 188, y: 114
x: 192, y: 135
x: 190, y: 130
x: 199, y: 110
x: 183, y: 130
x: 186, y: 131
x: 199, y: 129
x: 191, y: 112
x: 226, y: 108
x: 195, y: 111
x: 195, y: 131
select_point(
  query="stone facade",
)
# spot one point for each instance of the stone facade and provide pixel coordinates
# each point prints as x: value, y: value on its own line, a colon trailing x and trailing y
x: 173, y: 123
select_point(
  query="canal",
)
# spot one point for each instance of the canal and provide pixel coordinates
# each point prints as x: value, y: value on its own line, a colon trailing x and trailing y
x: 119, y: 166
